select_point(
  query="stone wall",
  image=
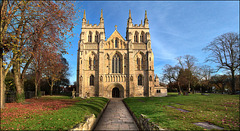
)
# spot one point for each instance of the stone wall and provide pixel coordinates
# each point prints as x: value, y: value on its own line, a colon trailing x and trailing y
x: 145, y: 124
x: 160, y: 91
x: 90, y: 122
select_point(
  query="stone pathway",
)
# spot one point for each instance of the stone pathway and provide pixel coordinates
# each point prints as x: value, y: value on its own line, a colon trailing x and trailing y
x: 182, y: 110
x: 208, y: 126
x: 116, y: 117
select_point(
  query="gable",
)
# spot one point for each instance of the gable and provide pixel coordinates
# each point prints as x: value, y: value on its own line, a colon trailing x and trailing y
x: 114, y: 35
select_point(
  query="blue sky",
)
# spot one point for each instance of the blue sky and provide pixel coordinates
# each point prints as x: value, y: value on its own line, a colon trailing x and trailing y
x: 177, y: 28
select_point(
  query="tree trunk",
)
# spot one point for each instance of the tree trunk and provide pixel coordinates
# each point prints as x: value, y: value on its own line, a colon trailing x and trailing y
x: 39, y: 90
x: 3, y: 9
x: 37, y: 84
x: 193, y: 91
x: 51, y: 88
x: 36, y: 89
x: 233, y: 82
x: 20, y: 96
x: 3, y: 88
x: 189, y: 87
x: 223, y: 88
x: 179, y: 88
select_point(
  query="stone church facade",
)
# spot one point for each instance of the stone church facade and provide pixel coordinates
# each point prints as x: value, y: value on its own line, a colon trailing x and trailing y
x: 116, y: 67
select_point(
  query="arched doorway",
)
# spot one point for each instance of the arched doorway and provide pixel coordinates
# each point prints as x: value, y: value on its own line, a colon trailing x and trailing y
x: 115, y: 92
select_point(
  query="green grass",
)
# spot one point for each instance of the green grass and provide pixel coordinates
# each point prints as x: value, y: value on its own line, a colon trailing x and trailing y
x: 220, y: 110
x: 62, y: 119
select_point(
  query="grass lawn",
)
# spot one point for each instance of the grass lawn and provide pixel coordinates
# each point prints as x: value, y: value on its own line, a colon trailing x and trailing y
x: 49, y: 113
x: 217, y: 109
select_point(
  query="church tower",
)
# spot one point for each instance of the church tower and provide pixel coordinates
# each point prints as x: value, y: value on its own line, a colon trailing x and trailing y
x: 140, y: 52
x: 116, y: 67
x: 89, y: 51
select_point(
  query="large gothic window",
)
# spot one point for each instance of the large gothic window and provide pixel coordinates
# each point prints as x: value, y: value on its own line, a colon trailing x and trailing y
x: 142, y: 37
x: 90, y: 37
x: 96, y: 37
x: 136, y: 37
x: 116, y: 64
x: 140, y: 82
x: 91, y: 80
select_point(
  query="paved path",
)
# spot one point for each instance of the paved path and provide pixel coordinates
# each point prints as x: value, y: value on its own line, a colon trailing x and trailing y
x: 116, y: 117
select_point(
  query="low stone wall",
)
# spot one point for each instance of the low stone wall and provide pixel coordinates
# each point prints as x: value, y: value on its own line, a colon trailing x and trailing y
x: 143, y: 122
x: 90, y: 122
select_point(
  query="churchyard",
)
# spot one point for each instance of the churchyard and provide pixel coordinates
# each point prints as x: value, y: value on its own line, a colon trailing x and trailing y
x: 173, y: 112
x: 181, y: 112
x: 49, y: 113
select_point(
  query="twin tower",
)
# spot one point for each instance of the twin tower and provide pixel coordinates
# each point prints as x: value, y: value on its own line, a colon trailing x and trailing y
x: 116, y: 67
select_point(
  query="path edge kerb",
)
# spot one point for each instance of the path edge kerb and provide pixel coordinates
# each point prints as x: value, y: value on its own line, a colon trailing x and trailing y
x: 140, y: 127
x: 100, y: 115
x: 95, y: 121
x: 132, y: 114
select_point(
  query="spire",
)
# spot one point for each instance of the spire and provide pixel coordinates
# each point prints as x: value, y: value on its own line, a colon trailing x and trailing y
x: 101, y: 18
x: 146, y: 19
x: 115, y: 27
x: 141, y: 22
x: 145, y: 14
x: 130, y: 14
x: 84, y: 14
x: 84, y: 18
x: 129, y: 23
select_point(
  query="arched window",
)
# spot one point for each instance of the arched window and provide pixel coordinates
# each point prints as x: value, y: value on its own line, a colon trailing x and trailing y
x: 142, y: 37
x: 96, y: 37
x: 116, y: 64
x: 136, y: 37
x: 140, y: 80
x: 90, y: 37
x: 94, y: 62
x: 90, y: 62
x: 91, y: 80
x: 116, y: 43
x: 138, y: 63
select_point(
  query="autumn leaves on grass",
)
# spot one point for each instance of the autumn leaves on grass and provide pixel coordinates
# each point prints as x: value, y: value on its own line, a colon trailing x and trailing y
x: 26, y: 111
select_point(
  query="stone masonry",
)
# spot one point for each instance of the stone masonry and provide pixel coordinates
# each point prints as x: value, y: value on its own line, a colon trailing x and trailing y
x: 116, y: 67
x: 116, y: 117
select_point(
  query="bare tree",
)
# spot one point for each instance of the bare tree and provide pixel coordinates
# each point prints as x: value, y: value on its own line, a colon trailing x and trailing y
x: 171, y: 73
x: 224, y: 51
x: 203, y: 73
x: 187, y: 62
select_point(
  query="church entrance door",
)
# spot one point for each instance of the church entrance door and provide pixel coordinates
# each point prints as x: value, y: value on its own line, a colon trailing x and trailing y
x: 115, y: 92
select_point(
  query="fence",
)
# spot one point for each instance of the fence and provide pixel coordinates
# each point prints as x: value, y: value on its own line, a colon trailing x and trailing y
x: 11, y: 96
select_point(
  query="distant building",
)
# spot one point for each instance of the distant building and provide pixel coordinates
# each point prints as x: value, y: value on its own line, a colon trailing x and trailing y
x: 116, y: 67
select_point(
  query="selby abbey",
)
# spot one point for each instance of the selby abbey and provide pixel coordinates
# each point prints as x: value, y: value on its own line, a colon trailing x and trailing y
x: 116, y: 67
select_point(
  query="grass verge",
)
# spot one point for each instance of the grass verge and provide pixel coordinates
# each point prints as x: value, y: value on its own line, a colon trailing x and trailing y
x: 49, y: 113
x: 217, y: 109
